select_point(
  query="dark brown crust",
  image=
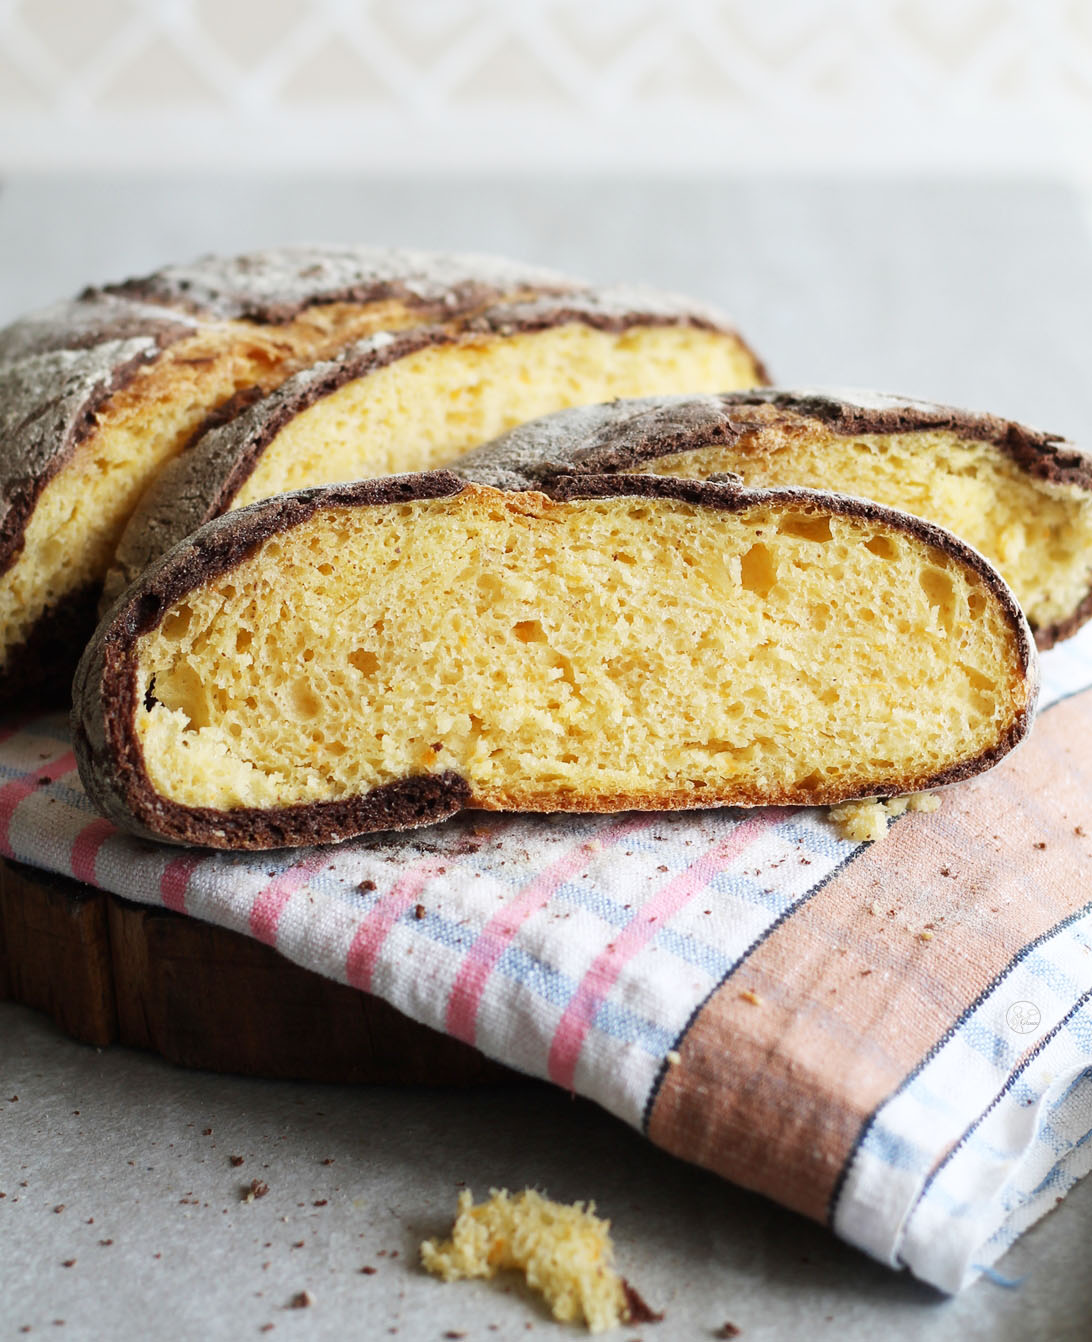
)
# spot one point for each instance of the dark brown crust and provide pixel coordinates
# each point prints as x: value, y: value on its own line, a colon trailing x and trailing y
x: 41, y: 676
x: 105, y: 691
x: 1058, y: 633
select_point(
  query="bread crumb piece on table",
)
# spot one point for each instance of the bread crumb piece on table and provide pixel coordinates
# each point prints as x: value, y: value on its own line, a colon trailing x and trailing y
x: 565, y: 1252
x: 865, y: 821
x: 749, y: 995
x: 673, y: 1057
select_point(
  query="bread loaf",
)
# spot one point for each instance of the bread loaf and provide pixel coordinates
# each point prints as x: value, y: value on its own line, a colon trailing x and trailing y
x: 383, y: 654
x: 98, y: 394
x: 1020, y: 496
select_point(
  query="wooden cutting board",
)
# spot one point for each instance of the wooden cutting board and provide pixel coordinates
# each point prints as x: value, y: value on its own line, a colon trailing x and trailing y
x: 111, y: 971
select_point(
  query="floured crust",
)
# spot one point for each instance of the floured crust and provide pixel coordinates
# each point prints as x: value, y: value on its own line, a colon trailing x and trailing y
x: 278, y: 283
x: 626, y: 435
x: 106, y: 690
x: 47, y: 404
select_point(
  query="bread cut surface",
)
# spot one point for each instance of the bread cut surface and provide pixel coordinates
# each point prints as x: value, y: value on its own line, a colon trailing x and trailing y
x: 143, y: 365
x: 1023, y: 498
x: 419, y: 399
x: 288, y: 673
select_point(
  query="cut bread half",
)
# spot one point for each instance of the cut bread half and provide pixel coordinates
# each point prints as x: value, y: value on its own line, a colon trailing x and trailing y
x: 383, y: 654
x: 1020, y: 496
x: 417, y: 399
x: 98, y: 394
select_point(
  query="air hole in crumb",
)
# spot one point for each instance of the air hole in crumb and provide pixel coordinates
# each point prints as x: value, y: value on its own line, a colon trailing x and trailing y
x: 177, y: 622
x: 883, y: 546
x: 366, y: 662
x: 805, y: 527
x: 977, y: 679
x: 305, y: 701
x: 938, y: 589
x: 529, y: 631
x: 758, y: 570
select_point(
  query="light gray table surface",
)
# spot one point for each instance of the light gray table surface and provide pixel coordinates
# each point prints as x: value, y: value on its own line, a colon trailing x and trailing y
x: 973, y: 293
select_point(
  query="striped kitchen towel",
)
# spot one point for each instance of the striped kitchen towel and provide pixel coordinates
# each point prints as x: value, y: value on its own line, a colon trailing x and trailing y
x: 895, y: 1039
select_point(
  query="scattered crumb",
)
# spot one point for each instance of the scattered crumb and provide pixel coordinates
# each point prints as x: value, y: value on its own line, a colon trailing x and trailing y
x: 453, y: 1332
x: 257, y: 1188
x: 59, y: 1207
x: 206, y: 1132
x: 865, y: 821
x: 1078, y: 831
x: 419, y: 911
x: 874, y: 909
x: 329, y: 1160
x: 69, y: 1262
x: 319, y: 1202
x: 366, y: 886
x: 926, y: 935
x: 266, y: 1328
x: 749, y: 995
x: 301, y: 1300
x: 298, y: 1244
x: 727, y: 1330
x: 1040, y: 844
x: 368, y: 1270
x: 236, y: 1160
x: 564, y: 1251
x: 673, y: 1057
x: 638, y: 1310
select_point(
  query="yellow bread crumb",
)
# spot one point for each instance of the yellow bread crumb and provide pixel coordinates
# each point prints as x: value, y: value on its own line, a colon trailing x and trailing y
x: 866, y: 821
x: 750, y: 996
x: 673, y: 1057
x: 564, y: 1251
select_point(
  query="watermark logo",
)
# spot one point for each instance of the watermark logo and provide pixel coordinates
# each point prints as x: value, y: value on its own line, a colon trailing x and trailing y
x: 1023, y: 1017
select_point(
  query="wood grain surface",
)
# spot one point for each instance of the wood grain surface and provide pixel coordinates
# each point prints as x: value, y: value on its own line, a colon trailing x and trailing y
x: 110, y: 971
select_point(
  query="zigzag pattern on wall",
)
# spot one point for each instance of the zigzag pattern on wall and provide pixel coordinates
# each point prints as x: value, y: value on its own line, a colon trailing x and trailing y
x: 425, y: 83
